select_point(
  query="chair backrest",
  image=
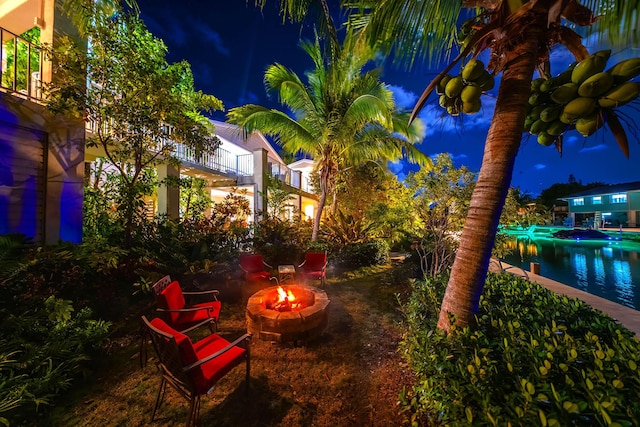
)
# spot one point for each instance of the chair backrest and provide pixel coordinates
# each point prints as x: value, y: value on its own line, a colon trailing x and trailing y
x: 171, y: 298
x: 161, y: 284
x: 174, y: 351
x: 252, y: 263
x: 315, y: 260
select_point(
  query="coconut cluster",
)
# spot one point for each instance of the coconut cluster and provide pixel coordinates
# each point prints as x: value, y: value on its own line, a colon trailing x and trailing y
x: 461, y: 93
x: 579, y: 97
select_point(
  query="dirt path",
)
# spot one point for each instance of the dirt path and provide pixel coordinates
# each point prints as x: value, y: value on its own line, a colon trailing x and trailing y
x: 350, y: 376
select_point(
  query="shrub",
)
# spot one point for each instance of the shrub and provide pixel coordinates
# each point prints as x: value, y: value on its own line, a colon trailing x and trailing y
x: 42, y: 352
x: 372, y: 252
x: 535, y: 358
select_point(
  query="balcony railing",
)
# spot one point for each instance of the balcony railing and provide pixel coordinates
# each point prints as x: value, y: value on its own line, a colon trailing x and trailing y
x: 220, y: 160
x: 21, y: 70
x: 293, y: 178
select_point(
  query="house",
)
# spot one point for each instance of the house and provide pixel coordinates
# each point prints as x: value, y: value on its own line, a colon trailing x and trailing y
x: 43, y: 158
x: 612, y: 205
x: 238, y: 165
x: 41, y: 155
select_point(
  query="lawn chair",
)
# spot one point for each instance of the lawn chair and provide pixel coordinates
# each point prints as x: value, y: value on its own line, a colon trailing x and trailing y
x: 253, y: 266
x: 314, y: 266
x: 175, y: 311
x: 193, y: 368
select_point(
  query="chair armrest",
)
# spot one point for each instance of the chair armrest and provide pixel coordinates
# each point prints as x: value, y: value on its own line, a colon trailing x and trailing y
x: 183, y: 310
x: 303, y: 263
x: 266, y: 265
x: 245, y: 337
x: 198, y: 325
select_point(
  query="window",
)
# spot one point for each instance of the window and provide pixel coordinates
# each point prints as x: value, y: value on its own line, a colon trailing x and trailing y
x: 578, y: 201
x: 597, y: 200
x: 619, y: 198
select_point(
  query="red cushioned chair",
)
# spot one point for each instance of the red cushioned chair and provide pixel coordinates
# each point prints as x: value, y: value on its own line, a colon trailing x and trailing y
x: 193, y: 368
x: 253, y: 266
x: 314, y: 266
x: 174, y: 309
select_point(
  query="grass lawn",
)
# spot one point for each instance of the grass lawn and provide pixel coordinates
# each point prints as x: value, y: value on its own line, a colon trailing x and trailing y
x: 351, y: 375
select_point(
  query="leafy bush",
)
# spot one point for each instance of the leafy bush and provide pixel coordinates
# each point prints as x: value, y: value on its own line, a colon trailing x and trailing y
x: 535, y: 358
x: 41, y: 352
x: 372, y: 252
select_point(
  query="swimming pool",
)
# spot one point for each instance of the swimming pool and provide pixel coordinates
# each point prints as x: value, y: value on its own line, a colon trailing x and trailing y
x: 610, y: 270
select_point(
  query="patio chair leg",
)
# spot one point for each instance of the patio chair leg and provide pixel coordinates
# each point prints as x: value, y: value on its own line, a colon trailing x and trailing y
x: 159, y: 398
x: 247, y: 376
x: 194, y: 411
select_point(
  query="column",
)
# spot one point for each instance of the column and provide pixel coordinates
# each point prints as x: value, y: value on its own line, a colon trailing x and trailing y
x: 260, y: 171
x: 168, y: 196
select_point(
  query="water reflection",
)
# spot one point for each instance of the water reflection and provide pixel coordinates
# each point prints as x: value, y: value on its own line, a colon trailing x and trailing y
x: 608, y: 270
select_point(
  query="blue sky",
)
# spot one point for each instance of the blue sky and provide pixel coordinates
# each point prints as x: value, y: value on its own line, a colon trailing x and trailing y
x: 229, y: 46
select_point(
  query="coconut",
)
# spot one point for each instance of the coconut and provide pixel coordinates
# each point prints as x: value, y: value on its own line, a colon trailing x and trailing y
x: 596, y: 85
x: 620, y: 95
x: 454, y: 87
x: 472, y: 70
x: 580, y: 107
x: 556, y: 128
x: 588, y: 67
x: 471, y: 94
x: 545, y: 139
x: 625, y: 70
x: 587, y: 126
x: 565, y: 93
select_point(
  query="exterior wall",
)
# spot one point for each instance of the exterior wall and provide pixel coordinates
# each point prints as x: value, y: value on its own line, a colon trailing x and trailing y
x: 605, y: 206
x: 633, y: 197
x: 60, y: 217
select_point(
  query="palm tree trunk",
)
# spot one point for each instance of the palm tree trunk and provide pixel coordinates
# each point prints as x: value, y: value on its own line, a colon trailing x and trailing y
x: 324, y: 183
x: 469, y: 270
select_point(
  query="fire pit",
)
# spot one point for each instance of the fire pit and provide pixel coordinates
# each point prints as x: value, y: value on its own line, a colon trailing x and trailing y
x: 287, y: 313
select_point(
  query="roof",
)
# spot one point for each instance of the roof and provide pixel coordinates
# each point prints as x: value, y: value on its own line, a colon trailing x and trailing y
x: 607, y: 189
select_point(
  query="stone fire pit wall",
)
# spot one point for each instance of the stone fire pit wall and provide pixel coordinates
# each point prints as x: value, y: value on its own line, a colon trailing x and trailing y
x: 302, y: 325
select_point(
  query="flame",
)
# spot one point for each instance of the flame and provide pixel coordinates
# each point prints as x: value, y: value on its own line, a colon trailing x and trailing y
x: 287, y: 297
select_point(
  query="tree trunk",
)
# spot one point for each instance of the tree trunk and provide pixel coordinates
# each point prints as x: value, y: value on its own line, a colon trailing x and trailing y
x: 469, y: 270
x: 324, y: 182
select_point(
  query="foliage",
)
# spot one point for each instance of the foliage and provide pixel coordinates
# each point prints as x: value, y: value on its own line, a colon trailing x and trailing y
x: 520, y: 211
x: 194, y: 197
x: 534, y: 358
x: 342, y: 229
x: 138, y: 105
x: 374, y: 193
x: 278, y: 198
x: 363, y: 254
x: 549, y: 196
x: 441, y: 202
x: 42, y: 352
x: 281, y: 241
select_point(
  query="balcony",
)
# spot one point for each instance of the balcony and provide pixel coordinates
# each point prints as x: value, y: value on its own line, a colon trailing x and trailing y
x: 291, y: 177
x: 22, y: 62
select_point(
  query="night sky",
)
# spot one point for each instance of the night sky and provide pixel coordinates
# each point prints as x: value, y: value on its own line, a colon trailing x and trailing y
x: 230, y: 43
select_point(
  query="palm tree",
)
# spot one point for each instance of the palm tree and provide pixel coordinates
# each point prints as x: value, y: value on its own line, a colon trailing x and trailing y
x: 520, y: 35
x: 342, y: 117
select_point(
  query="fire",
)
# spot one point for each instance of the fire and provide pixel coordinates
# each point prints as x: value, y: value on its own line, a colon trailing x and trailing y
x: 286, y: 301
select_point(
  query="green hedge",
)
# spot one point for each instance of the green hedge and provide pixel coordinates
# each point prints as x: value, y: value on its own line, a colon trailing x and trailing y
x: 371, y: 252
x: 535, y: 358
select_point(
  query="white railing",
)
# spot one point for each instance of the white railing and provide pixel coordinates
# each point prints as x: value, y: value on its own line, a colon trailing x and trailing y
x: 291, y: 177
x: 21, y: 68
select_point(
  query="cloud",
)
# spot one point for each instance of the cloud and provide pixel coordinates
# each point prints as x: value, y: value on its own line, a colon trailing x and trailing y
x: 213, y: 37
x: 403, y: 98
x: 571, y: 140
x: 539, y: 166
x: 395, y: 167
x: 599, y: 147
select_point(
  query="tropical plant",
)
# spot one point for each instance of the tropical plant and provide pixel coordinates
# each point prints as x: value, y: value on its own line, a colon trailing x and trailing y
x: 520, y: 35
x: 440, y: 203
x: 342, y: 117
x: 138, y: 105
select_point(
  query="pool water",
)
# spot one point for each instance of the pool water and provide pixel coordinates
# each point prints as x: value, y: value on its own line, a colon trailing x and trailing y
x: 610, y: 270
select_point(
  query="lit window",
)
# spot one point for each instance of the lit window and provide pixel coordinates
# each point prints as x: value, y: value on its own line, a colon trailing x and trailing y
x: 578, y: 202
x: 597, y: 200
x: 619, y: 198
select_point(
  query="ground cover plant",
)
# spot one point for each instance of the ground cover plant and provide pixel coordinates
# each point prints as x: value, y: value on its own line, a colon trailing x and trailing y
x: 534, y: 358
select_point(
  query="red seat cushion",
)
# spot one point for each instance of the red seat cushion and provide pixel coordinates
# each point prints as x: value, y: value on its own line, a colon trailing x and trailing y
x: 210, y: 372
x: 315, y: 261
x: 187, y: 352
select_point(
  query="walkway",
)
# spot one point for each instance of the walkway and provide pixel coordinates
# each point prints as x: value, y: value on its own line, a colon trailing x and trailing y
x: 626, y: 316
